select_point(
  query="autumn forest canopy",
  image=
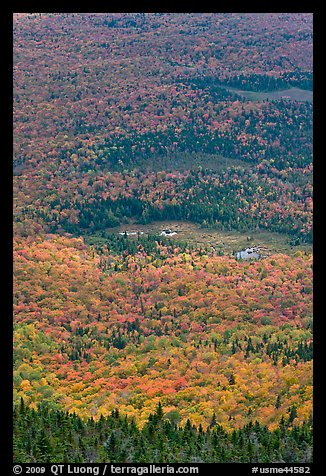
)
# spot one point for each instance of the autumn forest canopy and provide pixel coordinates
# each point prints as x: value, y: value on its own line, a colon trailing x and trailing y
x: 148, y: 150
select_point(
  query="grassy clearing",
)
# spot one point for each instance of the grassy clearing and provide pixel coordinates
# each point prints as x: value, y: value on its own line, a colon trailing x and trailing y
x: 292, y: 94
x: 228, y: 241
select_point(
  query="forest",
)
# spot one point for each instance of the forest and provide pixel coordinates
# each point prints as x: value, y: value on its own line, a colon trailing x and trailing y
x: 58, y: 436
x: 150, y: 348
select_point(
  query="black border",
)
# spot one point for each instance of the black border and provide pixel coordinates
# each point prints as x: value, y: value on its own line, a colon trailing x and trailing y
x: 317, y: 241
x: 6, y: 234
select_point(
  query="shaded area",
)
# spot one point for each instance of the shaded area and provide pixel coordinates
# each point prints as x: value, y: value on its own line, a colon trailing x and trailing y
x: 55, y: 436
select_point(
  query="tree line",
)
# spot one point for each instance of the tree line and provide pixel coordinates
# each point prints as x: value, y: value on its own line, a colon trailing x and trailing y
x: 47, y: 435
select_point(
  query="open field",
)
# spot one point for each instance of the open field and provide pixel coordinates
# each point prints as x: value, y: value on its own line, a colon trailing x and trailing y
x: 293, y: 94
x: 228, y: 242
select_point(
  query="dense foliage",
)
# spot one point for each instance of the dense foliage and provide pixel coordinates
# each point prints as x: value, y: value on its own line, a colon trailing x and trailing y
x: 265, y: 82
x: 128, y: 322
x: 44, y: 435
x: 88, y: 129
x: 126, y: 119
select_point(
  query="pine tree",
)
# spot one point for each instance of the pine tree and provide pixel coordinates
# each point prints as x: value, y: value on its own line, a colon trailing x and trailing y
x: 22, y: 406
x: 278, y: 402
x: 213, y: 421
x: 293, y: 414
x: 159, y: 412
